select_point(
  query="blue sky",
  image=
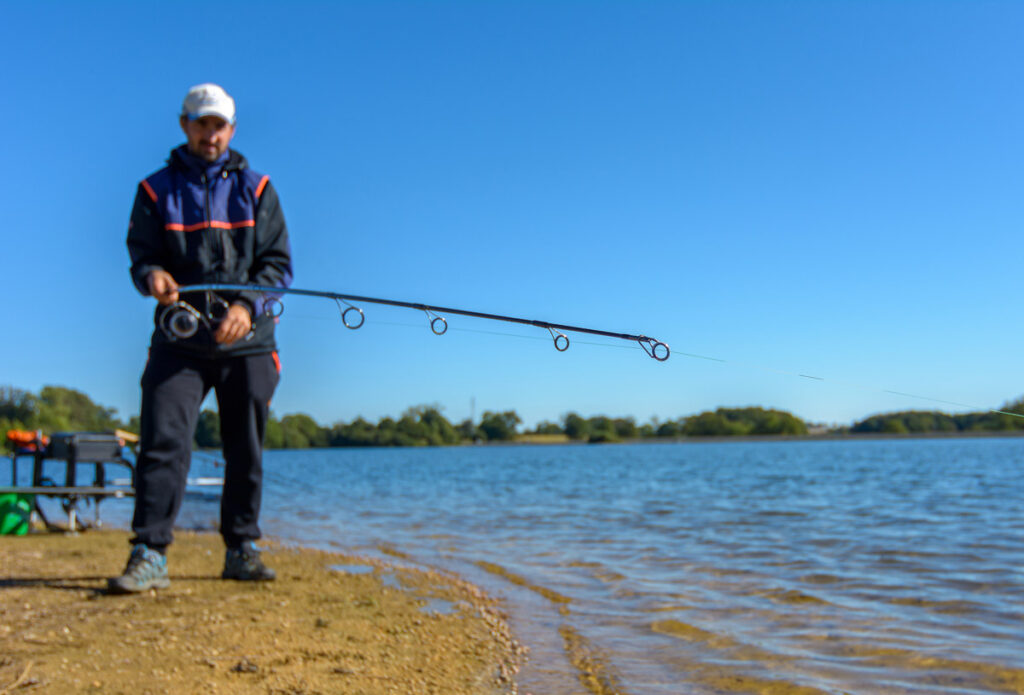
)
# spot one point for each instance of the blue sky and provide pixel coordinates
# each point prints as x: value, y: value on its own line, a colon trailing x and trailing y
x: 823, y: 188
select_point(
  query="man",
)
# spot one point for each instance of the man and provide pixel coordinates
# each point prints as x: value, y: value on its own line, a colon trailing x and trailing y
x: 205, y: 218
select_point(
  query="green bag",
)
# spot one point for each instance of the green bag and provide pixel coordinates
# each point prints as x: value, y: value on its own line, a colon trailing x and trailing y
x: 15, y: 512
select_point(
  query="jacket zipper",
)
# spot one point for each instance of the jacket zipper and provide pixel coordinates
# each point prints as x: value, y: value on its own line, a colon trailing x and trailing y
x: 219, y: 247
x: 206, y: 210
x: 213, y: 233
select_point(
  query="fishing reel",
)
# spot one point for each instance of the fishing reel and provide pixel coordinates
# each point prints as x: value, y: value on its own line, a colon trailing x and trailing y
x: 181, y: 320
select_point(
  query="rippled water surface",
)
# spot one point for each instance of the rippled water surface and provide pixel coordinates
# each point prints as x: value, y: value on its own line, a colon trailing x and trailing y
x: 783, y: 567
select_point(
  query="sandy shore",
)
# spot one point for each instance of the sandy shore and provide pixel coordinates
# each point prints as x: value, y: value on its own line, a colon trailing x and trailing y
x: 329, y: 624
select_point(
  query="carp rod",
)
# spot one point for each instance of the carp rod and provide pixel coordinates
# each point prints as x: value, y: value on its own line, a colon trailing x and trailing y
x: 181, y: 320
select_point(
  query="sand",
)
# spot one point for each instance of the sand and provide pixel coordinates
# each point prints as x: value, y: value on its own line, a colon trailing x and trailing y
x: 330, y: 624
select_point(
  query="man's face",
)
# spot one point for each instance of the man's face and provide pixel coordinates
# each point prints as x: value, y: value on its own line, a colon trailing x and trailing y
x: 208, y: 136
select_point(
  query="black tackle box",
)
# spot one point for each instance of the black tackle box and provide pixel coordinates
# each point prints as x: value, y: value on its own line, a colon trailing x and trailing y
x: 85, y: 447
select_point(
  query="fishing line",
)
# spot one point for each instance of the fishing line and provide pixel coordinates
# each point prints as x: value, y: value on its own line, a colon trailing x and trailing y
x: 849, y: 384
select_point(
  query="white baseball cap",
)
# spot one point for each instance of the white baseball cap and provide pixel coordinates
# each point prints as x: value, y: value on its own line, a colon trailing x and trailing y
x: 208, y: 100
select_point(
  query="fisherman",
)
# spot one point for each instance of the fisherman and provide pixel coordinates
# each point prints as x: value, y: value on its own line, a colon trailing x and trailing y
x: 205, y: 218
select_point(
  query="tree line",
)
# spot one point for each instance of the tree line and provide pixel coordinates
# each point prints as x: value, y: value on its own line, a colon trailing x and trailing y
x: 60, y: 409
x: 927, y: 421
x: 54, y: 409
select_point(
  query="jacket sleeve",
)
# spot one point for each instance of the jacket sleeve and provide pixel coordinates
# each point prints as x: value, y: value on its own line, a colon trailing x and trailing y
x: 272, y: 263
x: 145, y: 240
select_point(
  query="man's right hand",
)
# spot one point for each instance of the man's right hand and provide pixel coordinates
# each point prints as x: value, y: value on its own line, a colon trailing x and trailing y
x: 162, y: 286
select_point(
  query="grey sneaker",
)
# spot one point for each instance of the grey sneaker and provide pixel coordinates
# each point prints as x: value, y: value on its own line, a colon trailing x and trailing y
x: 146, y: 569
x: 244, y: 563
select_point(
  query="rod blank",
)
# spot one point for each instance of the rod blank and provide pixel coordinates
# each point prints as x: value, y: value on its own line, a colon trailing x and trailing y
x: 653, y: 347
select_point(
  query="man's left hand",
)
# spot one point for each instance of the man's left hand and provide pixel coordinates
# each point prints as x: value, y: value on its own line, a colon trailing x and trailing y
x: 236, y: 325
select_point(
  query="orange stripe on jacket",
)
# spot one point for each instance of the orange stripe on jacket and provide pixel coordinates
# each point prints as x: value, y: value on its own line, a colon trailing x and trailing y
x: 263, y: 184
x: 175, y: 227
x: 149, y: 189
x: 277, y: 366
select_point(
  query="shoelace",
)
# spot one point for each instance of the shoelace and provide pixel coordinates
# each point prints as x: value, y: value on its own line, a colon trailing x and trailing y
x: 138, y: 559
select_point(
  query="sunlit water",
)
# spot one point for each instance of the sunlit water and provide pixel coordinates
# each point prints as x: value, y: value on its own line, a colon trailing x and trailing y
x: 783, y: 567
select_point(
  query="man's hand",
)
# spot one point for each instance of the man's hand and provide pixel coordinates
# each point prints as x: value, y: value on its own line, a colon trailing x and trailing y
x: 234, y: 326
x: 162, y: 286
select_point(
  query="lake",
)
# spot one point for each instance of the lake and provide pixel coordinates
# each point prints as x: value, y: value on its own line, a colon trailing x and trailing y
x: 887, y: 566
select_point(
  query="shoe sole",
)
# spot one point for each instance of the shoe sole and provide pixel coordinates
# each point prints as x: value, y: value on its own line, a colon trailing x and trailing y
x: 247, y: 579
x: 114, y: 588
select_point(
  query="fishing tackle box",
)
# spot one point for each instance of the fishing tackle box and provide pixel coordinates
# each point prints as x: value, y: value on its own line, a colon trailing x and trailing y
x: 85, y: 447
x: 97, y: 449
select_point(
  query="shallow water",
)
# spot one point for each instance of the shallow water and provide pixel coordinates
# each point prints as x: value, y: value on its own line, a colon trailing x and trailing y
x: 784, y: 567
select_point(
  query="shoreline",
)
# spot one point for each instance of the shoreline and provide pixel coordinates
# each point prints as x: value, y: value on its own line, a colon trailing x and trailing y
x: 829, y: 437
x: 331, y: 622
x: 824, y: 437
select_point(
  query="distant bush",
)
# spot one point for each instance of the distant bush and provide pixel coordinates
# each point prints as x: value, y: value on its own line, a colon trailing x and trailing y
x: 499, y: 426
x: 725, y: 422
x: 918, y: 421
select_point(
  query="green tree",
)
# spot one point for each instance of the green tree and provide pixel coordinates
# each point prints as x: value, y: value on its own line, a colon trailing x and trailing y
x: 273, y: 438
x: 387, y: 433
x: 711, y: 424
x: 469, y: 431
x: 359, y: 432
x: 300, y: 431
x: 208, y: 430
x: 500, y: 426
x: 424, y: 425
x: 546, y: 427
x: 669, y: 428
x: 442, y: 431
x: 773, y: 421
x: 60, y: 409
x: 17, y: 408
x: 625, y: 427
x: 134, y: 424
x: 575, y: 427
x: 910, y: 421
x: 991, y: 421
x: 601, y: 429
x: 412, y: 430
x: 743, y: 421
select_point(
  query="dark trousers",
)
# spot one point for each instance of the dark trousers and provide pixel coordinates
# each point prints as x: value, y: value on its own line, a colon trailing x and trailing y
x: 173, y: 388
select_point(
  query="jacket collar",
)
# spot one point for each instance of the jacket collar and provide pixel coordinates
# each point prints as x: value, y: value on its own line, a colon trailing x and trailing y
x: 188, y: 163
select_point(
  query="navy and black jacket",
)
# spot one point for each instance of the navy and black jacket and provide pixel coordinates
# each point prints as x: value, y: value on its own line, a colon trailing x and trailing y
x: 205, y: 223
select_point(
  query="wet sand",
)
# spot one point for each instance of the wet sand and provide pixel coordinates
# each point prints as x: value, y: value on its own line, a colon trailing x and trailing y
x: 331, y: 623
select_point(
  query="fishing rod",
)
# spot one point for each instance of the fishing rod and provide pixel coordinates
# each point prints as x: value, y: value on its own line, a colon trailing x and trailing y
x: 181, y: 320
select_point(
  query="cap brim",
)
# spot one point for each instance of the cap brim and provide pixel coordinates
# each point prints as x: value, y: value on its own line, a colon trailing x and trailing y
x: 209, y: 112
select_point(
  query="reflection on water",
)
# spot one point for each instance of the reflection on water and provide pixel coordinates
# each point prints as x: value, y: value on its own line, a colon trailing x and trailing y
x: 785, y: 567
